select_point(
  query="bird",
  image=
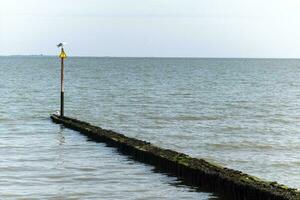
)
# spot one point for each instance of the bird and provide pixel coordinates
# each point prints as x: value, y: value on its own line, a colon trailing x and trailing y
x: 62, y: 44
x: 57, y: 113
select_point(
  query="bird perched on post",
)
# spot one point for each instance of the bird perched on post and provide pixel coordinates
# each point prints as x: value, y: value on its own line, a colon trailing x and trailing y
x: 62, y: 54
x: 62, y: 44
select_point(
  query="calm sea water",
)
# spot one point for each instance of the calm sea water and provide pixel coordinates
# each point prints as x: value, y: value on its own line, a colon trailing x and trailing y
x: 241, y: 113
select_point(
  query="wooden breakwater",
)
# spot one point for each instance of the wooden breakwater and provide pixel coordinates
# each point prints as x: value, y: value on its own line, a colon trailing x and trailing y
x: 196, y: 172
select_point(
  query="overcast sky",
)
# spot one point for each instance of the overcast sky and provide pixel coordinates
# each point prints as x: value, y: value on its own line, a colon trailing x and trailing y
x: 188, y: 28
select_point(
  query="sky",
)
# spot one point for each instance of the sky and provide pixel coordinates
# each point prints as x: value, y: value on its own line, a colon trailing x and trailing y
x: 152, y: 28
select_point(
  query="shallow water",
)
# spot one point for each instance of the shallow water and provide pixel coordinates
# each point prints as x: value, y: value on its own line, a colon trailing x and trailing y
x: 241, y: 113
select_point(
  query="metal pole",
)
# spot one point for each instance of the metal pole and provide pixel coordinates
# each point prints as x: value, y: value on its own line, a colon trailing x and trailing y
x: 62, y: 87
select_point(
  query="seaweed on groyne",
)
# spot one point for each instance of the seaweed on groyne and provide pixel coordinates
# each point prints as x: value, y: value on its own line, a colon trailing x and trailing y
x: 196, y: 172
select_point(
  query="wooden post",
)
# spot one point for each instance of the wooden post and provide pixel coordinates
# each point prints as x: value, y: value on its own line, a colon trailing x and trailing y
x: 62, y: 89
x: 62, y: 86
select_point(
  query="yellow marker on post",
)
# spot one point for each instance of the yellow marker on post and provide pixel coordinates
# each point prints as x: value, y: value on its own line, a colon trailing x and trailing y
x: 62, y: 56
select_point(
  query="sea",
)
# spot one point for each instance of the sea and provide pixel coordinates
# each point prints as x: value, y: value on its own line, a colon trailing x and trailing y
x: 240, y: 113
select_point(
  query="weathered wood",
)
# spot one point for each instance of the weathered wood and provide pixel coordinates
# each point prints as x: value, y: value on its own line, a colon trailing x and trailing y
x: 197, y: 172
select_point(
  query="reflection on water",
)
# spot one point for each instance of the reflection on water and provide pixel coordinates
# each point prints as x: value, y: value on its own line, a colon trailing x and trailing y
x: 241, y: 113
x: 61, y: 137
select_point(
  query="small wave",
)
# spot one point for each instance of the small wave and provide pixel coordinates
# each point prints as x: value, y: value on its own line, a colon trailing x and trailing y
x: 242, y: 145
x: 232, y: 128
x: 281, y: 165
x: 5, y: 120
x: 197, y: 118
x: 185, y: 118
x: 281, y: 120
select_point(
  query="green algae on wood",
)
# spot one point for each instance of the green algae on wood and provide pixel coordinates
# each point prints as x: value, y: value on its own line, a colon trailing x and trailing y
x: 197, y: 172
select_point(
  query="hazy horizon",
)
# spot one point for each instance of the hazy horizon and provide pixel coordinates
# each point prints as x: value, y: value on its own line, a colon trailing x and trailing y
x: 191, y: 57
x: 151, y: 28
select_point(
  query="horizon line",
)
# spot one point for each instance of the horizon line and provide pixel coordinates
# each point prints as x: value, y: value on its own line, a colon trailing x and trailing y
x: 195, y: 57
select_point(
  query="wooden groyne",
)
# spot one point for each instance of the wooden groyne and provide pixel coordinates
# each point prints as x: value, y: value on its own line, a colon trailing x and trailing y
x: 196, y: 172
